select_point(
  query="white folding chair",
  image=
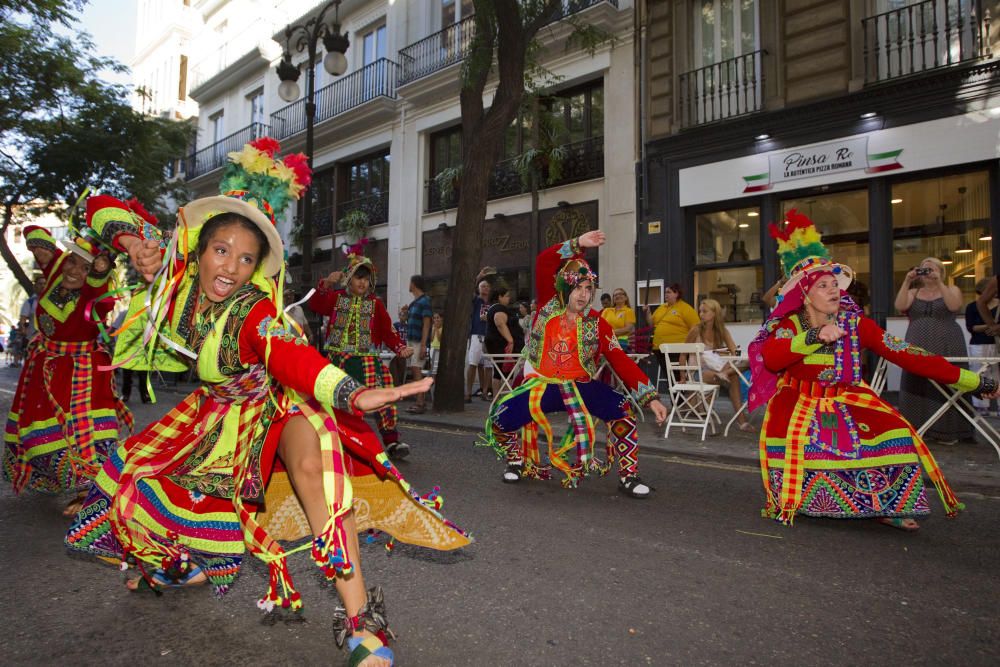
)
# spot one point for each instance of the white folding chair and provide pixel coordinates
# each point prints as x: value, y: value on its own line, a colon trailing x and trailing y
x: 692, y: 399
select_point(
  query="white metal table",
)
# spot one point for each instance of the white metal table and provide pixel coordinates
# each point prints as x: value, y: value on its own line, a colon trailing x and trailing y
x: 956, y: 399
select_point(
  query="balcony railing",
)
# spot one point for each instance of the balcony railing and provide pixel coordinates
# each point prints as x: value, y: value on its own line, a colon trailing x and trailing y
x: 584, y: 160
x: 376, y: 205
x: 569, y: 7
x: 923, y: 36
x: 213, y: 156
x: 377, y: 79
x: 451, y: 45
x: 722, y: 90
x: 443, y: 48
x: 323, y: 221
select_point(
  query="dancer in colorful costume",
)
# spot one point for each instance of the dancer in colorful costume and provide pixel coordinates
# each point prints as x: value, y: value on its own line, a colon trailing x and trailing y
x: 359, y: 327
x: 567, y: 340
x: 178, y: 500
x: 65, y: 417
x: 829, y: 446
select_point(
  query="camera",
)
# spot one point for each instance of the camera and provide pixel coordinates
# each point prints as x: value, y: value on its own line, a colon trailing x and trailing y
x: 923, y: 271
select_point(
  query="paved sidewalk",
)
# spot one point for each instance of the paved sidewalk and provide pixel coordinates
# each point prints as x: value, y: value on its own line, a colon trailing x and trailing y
x: 967, y: 466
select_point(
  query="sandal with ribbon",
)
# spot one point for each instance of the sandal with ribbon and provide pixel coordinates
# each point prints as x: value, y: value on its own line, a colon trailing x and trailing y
x: 905, y: 524
x: 74, y: 506
x: 371, y: 619
x: 159, y: 580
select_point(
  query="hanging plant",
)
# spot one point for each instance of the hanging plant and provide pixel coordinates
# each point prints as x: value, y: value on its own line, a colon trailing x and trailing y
x: 354, y: 224
x: 447, y: 181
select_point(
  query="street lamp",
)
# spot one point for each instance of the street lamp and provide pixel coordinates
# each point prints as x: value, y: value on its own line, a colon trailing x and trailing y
x: 299, y: 38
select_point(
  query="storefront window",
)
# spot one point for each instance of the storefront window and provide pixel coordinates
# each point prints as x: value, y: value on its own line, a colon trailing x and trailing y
x: 947, y: 218
x: 842, y: 219
x: 737, y: 289
x: 727, y: 256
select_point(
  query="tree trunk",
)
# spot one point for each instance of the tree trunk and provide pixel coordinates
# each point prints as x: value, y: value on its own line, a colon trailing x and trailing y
x: 8, y: 254
x: 498, y: 23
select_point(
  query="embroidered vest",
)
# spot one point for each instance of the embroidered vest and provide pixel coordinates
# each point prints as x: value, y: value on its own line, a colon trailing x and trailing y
x: 588, y: 340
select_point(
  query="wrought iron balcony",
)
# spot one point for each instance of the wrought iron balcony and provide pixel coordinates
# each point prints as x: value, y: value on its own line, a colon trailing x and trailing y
x: 451, y: 45
x: 584, y: 160
x: 923, y: 36
x: 725, y: 89
x: 214, y: 155
x: 569, y: 7
x: 323, y: 221
x: 377, y: 79
x: 376, y: 205
x: 443, y: 48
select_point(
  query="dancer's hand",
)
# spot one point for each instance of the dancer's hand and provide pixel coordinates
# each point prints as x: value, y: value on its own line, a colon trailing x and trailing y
x: 373, y: 399
x: 144, y: 255
x: 331, y: 280
x: 831, y: 333
x: 592, y: 239
x: 659, y: 411
x: 406, y: 353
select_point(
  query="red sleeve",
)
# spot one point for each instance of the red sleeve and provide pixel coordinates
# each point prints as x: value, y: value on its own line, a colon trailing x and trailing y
x: 547, y: 265
x: 323, y: 300
x: 786, y: 346
x: 291, y: 360
x: 635, y: 380
x: 908, y: 357
x: 383, y: 333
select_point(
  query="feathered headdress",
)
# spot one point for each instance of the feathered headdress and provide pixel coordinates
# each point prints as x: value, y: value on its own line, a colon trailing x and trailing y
x: 258, y: 186
x: 802, y: 253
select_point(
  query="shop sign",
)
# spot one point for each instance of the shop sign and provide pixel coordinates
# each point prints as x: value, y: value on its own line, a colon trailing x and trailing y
x: 839, y: 156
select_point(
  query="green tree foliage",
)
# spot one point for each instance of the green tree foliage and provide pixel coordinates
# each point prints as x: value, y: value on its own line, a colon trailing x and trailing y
x: 64, y: 130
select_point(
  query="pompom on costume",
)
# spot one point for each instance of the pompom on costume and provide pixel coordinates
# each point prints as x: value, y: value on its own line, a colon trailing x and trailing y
x: 359, y: 325
x: 560, y: 365
x: 187, y: 493
x: 830, y: 446
x: 65, y: 416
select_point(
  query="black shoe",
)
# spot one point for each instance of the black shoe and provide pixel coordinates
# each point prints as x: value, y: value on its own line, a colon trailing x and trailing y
x: 512, y: 475
x: 634, y: 487
x: 397, y: 450
x: 144, y: 399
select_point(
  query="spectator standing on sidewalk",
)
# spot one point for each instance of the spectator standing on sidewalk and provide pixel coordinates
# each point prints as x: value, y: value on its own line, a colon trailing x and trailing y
x: 418, y: 337
x: 982, y: 342
x: 475, y: 361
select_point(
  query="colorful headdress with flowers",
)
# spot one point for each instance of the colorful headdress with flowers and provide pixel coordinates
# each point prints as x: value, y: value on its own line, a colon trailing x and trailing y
x: 572, y: 273
x: 258, y: 186
x: 804, y: 259
x: 803, y: 255
x: 356, y: 259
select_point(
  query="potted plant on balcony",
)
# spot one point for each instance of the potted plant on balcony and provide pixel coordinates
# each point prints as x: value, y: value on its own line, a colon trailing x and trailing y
x: 545, y: 163
x: 447, y: 181
x: 354, y: 224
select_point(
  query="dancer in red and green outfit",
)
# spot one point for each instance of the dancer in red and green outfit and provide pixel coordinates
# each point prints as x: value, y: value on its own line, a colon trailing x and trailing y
x: 829, y: 446
x: 359, y: 327
x: 65, y: 416
x: 180, y: 501
x: 568, y: 339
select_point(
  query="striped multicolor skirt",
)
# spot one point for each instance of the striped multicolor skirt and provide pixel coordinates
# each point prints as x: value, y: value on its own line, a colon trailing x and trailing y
x: 841, y: 451
x: 64, y: 418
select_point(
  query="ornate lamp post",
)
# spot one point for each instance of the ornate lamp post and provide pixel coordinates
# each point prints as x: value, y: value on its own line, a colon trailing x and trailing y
x: 299, y: 38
